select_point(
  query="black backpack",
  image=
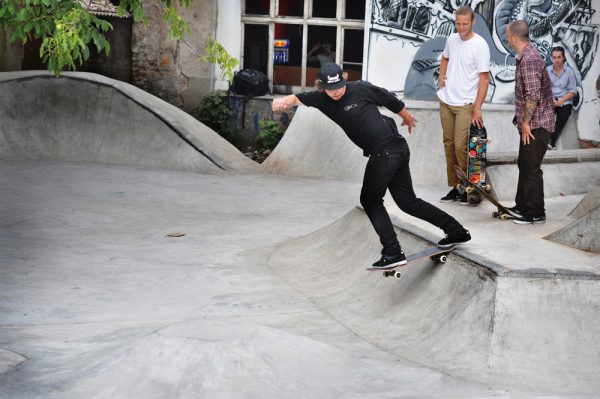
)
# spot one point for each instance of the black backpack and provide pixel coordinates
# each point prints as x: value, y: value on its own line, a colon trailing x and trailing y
x: 250, y: 83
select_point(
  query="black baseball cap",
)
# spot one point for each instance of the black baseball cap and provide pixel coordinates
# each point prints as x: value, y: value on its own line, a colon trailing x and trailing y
x: 330, y: 76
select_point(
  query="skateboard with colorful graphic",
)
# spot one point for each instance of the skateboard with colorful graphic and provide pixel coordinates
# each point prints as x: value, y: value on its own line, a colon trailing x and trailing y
x: 502, y: 213
x: 434, y: 253
x: 476, y: 160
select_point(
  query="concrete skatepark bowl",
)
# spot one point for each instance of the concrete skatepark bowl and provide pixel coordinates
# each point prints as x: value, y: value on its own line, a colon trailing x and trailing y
x: 263, y: 294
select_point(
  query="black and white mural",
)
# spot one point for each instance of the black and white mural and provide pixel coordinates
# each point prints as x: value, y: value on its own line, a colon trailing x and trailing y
x: 407, y: 37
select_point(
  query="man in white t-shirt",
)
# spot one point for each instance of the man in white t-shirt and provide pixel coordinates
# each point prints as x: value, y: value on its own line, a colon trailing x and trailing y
x: 463, y: 86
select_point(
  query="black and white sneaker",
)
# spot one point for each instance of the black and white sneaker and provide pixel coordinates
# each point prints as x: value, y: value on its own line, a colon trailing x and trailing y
x: 454, y: 238
x: 514, y: 212
x: 527, y: 219
x: 389, y: 262
x: 453, y: 195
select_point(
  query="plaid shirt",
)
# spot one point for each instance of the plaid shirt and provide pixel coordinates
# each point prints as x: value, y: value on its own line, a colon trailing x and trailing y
x: 533, y: 83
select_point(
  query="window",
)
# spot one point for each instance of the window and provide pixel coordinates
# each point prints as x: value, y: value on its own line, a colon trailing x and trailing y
x: 289, y: 39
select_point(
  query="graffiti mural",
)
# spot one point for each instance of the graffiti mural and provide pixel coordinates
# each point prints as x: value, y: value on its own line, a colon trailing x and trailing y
x: 423, y: 25
x: 406, y: 39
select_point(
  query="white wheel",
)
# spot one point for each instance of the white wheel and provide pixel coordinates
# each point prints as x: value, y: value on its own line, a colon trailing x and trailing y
x: 443, y: 258
x: 397, y: 275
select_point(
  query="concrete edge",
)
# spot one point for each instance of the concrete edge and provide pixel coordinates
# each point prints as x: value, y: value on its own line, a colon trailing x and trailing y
x: 551, y: 157
x: 496, y: 269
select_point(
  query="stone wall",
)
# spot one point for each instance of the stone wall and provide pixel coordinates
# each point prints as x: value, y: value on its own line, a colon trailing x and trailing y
x: 166, y: 68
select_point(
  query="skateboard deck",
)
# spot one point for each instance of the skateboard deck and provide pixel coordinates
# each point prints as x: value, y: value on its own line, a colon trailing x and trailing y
x: 435, y: 253
x: 501, y: 213
x: 476, y: 161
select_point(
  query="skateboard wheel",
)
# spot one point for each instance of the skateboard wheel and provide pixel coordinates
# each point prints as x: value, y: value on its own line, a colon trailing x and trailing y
x: 487, y: 188
x: 397, y: 275
x: 443, y: 258
x: 504, y: 216
x: 387, y: 273
x: 469, y: 190
x: 495, y: 214
x: 474, y: 139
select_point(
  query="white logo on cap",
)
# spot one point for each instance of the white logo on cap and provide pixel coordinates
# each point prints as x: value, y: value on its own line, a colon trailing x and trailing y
x: 333, y: 79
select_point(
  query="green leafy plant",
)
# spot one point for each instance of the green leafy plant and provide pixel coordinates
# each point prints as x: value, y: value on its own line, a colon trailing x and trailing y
x: 217, y: 54
x: 269, y: 133
x: 215, y: 112
x: 67, y: 27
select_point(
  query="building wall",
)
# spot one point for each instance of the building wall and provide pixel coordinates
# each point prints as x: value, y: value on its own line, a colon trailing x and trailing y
x: 11, y: 54
x: 169, y: 69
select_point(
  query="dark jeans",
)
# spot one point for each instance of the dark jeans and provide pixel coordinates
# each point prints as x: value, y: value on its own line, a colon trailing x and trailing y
x: 562, y: 116
x: 530, y: 187
x: 388, y: 169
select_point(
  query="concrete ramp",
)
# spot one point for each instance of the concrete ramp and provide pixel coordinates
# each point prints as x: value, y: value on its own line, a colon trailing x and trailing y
x: 529, y: 330
x: 313, y: 146
x: 584, y: 232
x: 90, y: 118
x: 228, y: 359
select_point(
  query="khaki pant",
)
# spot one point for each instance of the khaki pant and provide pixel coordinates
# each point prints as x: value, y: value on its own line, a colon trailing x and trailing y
x: 456, y: 121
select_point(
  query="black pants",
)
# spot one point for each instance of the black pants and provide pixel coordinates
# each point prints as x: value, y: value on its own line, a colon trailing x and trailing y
x: 388, y: 169
x: 530, y: 187
x: 562, y: 116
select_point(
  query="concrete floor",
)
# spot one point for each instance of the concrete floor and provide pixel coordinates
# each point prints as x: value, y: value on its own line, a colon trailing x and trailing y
x: 215, y: 280
x: 100, y: 303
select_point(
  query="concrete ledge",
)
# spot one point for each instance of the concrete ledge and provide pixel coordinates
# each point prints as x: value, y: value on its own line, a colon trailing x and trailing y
x: 559, y: 156
x: 459, y: 317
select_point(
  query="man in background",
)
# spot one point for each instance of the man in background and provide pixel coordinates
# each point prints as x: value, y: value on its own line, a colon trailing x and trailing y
x: 534, y: 119
x: 463, y: 86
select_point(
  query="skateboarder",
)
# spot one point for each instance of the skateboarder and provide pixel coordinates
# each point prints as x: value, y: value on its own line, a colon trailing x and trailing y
x: 354, y: 107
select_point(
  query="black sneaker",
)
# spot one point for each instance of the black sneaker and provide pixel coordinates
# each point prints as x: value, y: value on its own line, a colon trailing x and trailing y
x: 389, y: 262
x: 464, y: 199
x: 527, y: 219
x: 452, y: 196
x: 514, y: 212
x: 454, y: 238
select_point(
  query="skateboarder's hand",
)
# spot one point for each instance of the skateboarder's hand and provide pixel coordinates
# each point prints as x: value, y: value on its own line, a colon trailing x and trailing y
x: 408, y: 119
x: 278, y: 104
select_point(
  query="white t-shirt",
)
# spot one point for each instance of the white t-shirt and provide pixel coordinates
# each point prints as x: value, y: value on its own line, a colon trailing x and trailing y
x: 467, y: 59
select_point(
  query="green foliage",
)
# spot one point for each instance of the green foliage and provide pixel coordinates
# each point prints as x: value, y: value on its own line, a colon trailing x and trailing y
x: 217, y: 54
x: 67, y: 28
x: 215, y: 112
x: 269, y: 133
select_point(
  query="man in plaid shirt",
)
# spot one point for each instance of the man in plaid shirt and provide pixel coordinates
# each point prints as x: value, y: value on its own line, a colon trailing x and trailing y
x: 535, y: 121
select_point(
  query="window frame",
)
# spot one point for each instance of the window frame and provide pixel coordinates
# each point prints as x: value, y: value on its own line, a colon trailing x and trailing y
x: 306, y: 20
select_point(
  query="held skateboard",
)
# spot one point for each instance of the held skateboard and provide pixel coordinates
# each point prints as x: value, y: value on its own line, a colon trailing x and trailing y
x: 502, y: 213
x: 476, y: 161
x: 434, y: 253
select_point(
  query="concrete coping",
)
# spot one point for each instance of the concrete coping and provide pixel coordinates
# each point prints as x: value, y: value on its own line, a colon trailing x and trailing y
x: 551, y: 157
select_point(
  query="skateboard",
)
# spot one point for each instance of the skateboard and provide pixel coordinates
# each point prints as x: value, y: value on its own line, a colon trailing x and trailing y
x: 502, y: 213
x: 476, y: 160
x: 434, y: 253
